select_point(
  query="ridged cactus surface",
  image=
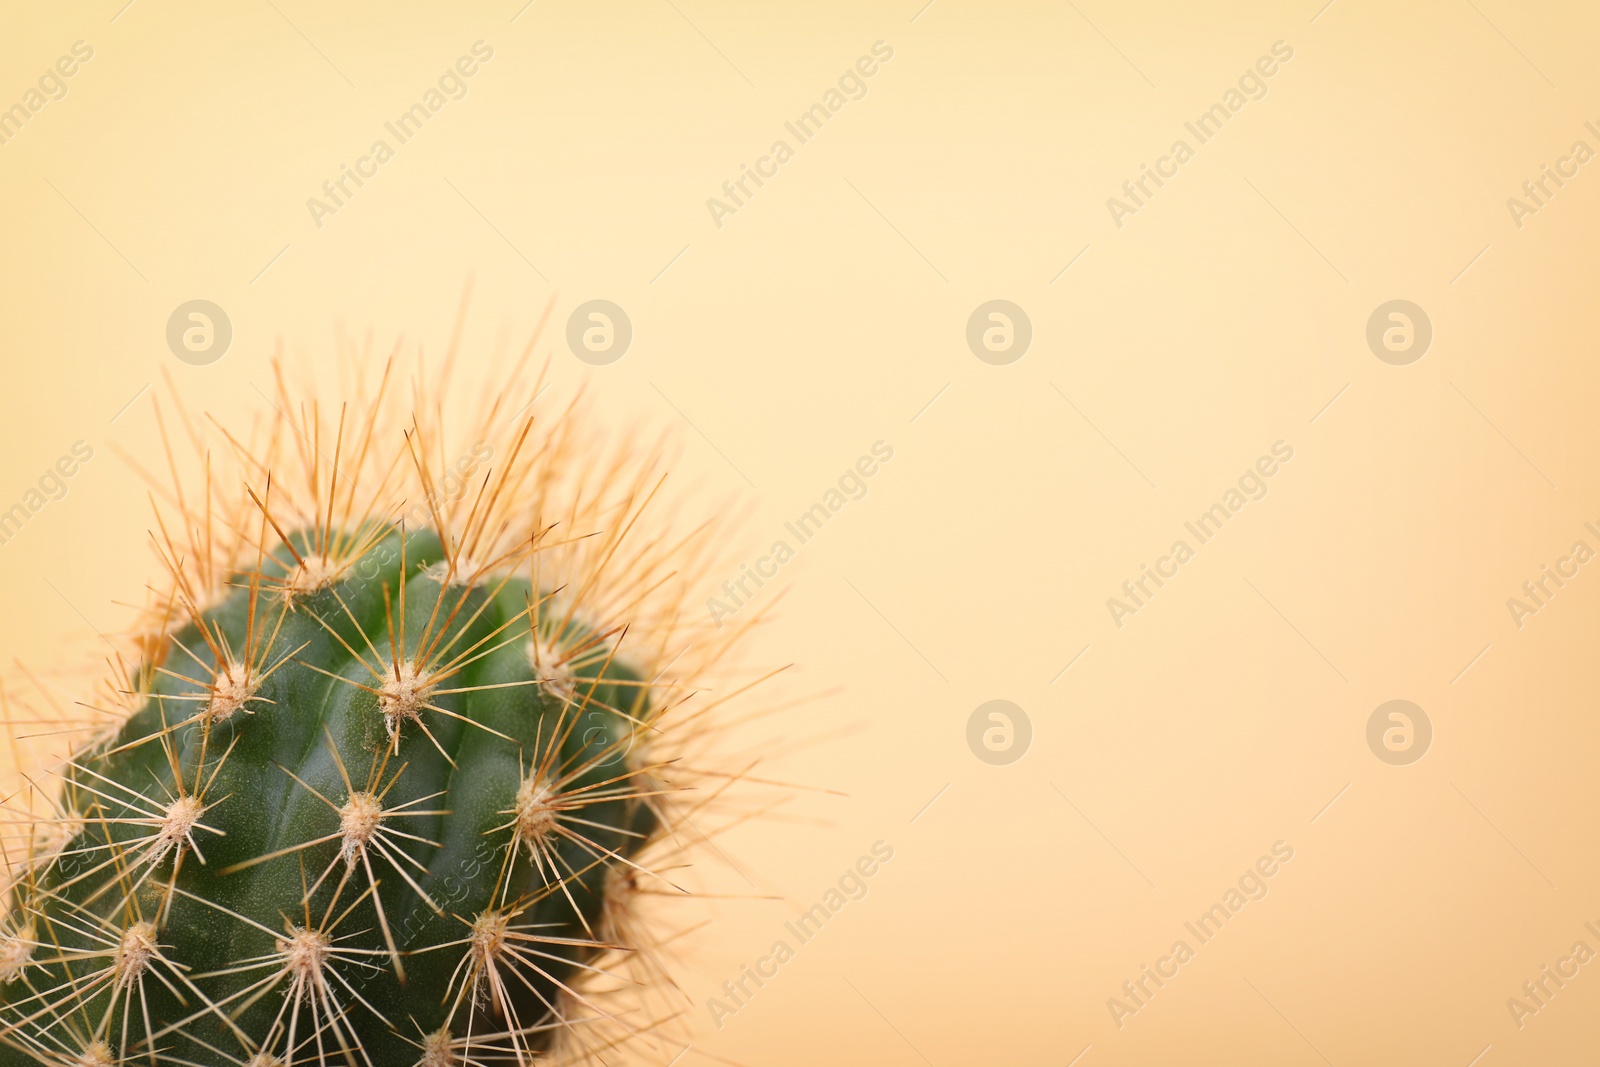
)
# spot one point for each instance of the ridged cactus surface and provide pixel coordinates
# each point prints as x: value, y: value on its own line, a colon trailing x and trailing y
x: 370, y: 820
x: 388, y: 766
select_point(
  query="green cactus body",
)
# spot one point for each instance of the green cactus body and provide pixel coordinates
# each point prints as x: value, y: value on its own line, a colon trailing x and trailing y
x: 308, y: 847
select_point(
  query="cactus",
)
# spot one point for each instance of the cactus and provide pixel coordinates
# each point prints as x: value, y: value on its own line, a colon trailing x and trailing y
x: 380, y: 791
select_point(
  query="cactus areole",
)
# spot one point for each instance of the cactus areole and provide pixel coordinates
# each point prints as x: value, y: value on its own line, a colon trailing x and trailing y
x: 367, y: 808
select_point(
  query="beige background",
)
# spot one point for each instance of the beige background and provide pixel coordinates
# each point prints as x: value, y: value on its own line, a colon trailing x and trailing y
x: 824, y: 316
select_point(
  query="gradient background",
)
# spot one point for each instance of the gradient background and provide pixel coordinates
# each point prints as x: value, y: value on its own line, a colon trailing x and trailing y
x: 1228, y: 314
